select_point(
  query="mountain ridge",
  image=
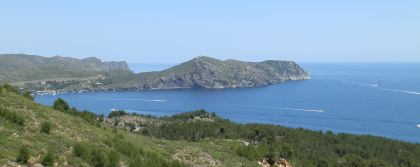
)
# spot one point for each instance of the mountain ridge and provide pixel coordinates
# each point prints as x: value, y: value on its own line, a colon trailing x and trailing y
x: 207, y: 72
x: 58, y: 73
x: 24, y: 67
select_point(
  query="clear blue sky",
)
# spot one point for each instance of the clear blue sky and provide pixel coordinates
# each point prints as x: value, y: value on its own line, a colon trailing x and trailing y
x: 175, y: 31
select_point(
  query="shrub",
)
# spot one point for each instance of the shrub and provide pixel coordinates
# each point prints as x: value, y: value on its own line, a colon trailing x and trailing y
x: 286, y: 151
x: 23, y: 155
x: 113, y: 159
x: 98, y: 158
x: 88, y: 116
x: 247, y: 152
x: 28, y: 95
x: 11, y: 88
x: 132, y: 126
x: 46, y: 127
x: 79, y: 150
x: 11, y: 116
x: 117, y: 113
x: 60, y: 105
x: 153, y: 160
x: 48, y: 159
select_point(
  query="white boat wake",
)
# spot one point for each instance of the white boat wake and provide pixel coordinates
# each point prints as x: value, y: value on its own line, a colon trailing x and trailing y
x: 376, y: 86
x: 282, y: 108
x: 365, y: 84
x: 401, y: 91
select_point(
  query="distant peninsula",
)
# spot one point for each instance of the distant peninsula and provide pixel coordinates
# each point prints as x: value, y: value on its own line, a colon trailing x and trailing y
x: 36, y: 73
x: 206, y: 72
x: 22, y: 67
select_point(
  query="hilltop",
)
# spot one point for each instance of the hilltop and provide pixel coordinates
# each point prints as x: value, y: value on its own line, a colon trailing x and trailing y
x: 207, y: 72
x: 22, y: 67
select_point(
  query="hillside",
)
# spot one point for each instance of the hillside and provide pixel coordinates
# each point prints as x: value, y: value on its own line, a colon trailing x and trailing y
x: 206, y: 72
x: 78, y: 138
x: 69, y: 74
x: 21, y: 67
x: 31, y: 134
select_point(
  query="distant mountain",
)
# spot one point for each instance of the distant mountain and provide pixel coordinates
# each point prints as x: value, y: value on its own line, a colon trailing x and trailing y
x: 22, y: 67
x: 206, y: 72
x: 64, y: 73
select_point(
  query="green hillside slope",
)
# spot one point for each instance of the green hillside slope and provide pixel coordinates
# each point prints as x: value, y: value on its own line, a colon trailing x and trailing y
x: 32, y: 134
x: 80, y: 140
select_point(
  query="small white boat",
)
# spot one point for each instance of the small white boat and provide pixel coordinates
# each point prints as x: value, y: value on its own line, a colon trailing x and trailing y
x: 418, y: 125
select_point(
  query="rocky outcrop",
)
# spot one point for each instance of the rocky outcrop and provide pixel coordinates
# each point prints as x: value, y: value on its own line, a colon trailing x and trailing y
x: 279, y: 163
x: 129, y: 122
x: 283, y: 163
x: 98, y: 65
x: 206, y: 72
x: 194, y: 156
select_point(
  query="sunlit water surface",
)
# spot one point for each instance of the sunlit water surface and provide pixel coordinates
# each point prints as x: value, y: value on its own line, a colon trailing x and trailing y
x: 376, y: 99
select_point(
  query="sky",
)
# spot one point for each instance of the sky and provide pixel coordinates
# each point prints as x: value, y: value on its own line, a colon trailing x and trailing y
x: 174, y: 31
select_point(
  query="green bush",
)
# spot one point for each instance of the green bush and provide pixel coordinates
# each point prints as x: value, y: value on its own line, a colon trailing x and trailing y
x: 28, y: 95
x: 113, y: 159
x: 23, y: 155
x: 117, y: 113
x: 250, y: 152
x: 80, y: 150
x: 11, y: 116
x: 138, y: 156
x: 88, y: 116
x: 48, y: 159
x: 98, y: 158
x: 60, y: 105
x: 46, y: 127
x: 11, y: 88
x: 153, y: 160
x: 285, y: 151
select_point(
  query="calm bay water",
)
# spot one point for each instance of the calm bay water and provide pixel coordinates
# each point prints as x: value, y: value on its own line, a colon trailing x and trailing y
x: 376, y: 99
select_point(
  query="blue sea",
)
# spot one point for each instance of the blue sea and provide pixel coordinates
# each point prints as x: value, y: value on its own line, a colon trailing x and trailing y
x: 381, y: 99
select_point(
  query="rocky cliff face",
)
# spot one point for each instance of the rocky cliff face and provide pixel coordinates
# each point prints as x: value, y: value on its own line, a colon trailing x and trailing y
x: 205, y: 72
x: 96, y: 64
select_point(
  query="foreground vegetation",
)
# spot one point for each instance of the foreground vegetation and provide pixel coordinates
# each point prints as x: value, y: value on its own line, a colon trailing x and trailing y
x: 63, y: 136
x: 299, y: 146
x: 32, y: 134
